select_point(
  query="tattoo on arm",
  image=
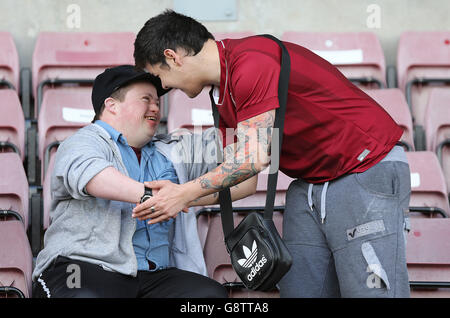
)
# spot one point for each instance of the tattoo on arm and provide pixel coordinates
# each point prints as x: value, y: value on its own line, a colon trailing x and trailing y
x: 244, y: 158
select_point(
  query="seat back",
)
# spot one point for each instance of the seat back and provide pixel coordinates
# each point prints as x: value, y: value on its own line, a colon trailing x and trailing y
x: 259, y: 198
x: 358, y: 55
x: 437, y: 128
x: 47, y: 195
x: 428, y: 257
x: 428, y: 188
x: 394, y: 102
x: 185, y: 112
x: 12, y: 123
x: 423, y: 57
x: 9, y: 62
x: 77, y: 56
x: 64, y: 111
x: 15, y: 260
x: 13, y: 187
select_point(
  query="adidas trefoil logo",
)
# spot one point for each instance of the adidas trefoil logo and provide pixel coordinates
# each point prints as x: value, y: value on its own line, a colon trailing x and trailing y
x: 250, y: 256
x: 250, y: 260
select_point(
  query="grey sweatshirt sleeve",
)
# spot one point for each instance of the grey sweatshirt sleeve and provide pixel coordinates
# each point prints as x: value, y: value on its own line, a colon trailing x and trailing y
x: 78, y: 159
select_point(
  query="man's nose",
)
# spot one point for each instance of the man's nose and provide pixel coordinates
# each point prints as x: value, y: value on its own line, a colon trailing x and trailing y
x: 154, y: 106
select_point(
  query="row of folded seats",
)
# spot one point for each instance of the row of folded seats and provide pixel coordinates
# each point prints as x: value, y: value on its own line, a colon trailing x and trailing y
x: 44, y: 105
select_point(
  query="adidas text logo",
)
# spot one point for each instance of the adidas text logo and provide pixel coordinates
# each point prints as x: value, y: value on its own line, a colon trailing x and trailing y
x: 255, y: 269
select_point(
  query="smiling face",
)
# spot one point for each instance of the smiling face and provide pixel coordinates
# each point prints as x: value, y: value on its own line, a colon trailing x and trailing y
x: 137, y: 115
x: 177, y: 77
x: 181, y: 70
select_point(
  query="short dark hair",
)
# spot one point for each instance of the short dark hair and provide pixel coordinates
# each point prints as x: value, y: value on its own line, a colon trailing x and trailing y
x: 168, y: 30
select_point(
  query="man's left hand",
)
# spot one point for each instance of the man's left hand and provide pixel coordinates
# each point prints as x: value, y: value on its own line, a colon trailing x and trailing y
x: 169, y: 199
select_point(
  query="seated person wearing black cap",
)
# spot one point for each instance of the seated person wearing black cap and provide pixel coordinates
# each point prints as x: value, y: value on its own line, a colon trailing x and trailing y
x: 94, y: 247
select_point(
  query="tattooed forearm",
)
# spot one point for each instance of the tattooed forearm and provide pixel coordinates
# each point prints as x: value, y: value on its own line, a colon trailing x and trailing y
x: 245, y: 158
x: 229, y: 176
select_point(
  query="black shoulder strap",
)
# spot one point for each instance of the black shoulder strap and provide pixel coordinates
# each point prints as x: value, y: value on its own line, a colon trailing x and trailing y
x: 224, y: 195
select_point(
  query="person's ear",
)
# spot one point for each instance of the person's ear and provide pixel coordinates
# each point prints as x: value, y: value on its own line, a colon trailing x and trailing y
x: 172, y: 57
x: 111, y: 105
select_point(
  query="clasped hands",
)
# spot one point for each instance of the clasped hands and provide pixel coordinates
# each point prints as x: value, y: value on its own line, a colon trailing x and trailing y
x: 167, y: 201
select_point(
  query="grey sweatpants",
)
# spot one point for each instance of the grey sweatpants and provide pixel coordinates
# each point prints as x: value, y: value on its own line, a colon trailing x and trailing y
x: 347, y: 237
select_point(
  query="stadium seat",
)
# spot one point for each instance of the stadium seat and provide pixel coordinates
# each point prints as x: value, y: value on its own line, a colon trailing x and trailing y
x: 437, y: 127
x: 428, y: 189
x: 15, y: 260
x: 64, y: 111
x: 428, y: 257
x: 358, y: 55
x: 393, y: 101
x: 216, y: 257
x: 185, y: 112
x: 9, y: 62
x: 76, y: 58
x: 47, y: 195
x: 12, y: 123
x: 422, y: 63
x: 259, y: 198
x: 232, y: 35
x: 13, y: 188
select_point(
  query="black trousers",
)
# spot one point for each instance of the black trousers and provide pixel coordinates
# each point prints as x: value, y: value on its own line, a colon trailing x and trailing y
x: 68, y: 278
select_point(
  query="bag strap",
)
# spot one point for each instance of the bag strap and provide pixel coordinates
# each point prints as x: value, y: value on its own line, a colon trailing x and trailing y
x: 224, y: 195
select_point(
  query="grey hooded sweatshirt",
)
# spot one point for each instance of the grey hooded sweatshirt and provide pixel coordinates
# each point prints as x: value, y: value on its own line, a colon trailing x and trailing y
x: 100, y: 231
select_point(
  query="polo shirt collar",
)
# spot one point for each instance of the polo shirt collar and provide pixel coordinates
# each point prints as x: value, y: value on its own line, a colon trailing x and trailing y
x: 119, y: 138
x: 223, y: 72
x: 115, y: 135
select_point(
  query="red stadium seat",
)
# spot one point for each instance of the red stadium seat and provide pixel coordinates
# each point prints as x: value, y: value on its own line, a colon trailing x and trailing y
x: 428, y: 188
x: 47, y: 195
x: 437, y: 127
x: 64, y: 111
x: 185, y: 112
x: 13, y: 188
x: 423, y: 62
x: 232, y: 35
x: 259, y: 198
x: 63, y: 58
x: 12, y: 123
x: 9, y: 62
x: 393, y: 101
x: 15, y: 260
x: 428, y: 257
x: 358, y: 55
x: 217, y: 259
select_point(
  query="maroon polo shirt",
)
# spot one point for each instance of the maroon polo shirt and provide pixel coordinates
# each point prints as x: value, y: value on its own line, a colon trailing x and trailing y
x: 331, y: 127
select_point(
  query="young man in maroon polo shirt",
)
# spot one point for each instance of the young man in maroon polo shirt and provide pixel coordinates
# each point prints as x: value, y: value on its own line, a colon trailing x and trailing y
x: 346, y: 211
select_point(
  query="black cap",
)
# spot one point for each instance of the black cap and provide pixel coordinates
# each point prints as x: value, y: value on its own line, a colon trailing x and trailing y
x: 116, y: 77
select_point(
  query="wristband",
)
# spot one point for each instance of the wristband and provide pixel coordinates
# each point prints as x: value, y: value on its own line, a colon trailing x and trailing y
x: 147, y: 194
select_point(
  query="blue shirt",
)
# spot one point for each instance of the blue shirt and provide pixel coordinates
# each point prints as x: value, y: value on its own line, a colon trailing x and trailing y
x: 150, y: 242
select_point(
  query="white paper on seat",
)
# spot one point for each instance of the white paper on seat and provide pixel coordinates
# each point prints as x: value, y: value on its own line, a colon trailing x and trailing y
x: 202, y: 117
x: 341, y: 57
x: 76, y: 115
x: 415, y: 180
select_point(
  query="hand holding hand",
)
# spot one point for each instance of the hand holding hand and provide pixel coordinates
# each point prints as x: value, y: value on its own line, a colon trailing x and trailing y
x: 168, y: 200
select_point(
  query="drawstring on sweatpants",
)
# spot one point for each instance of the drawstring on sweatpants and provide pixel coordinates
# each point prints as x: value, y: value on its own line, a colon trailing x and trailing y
x: 323, y: 199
